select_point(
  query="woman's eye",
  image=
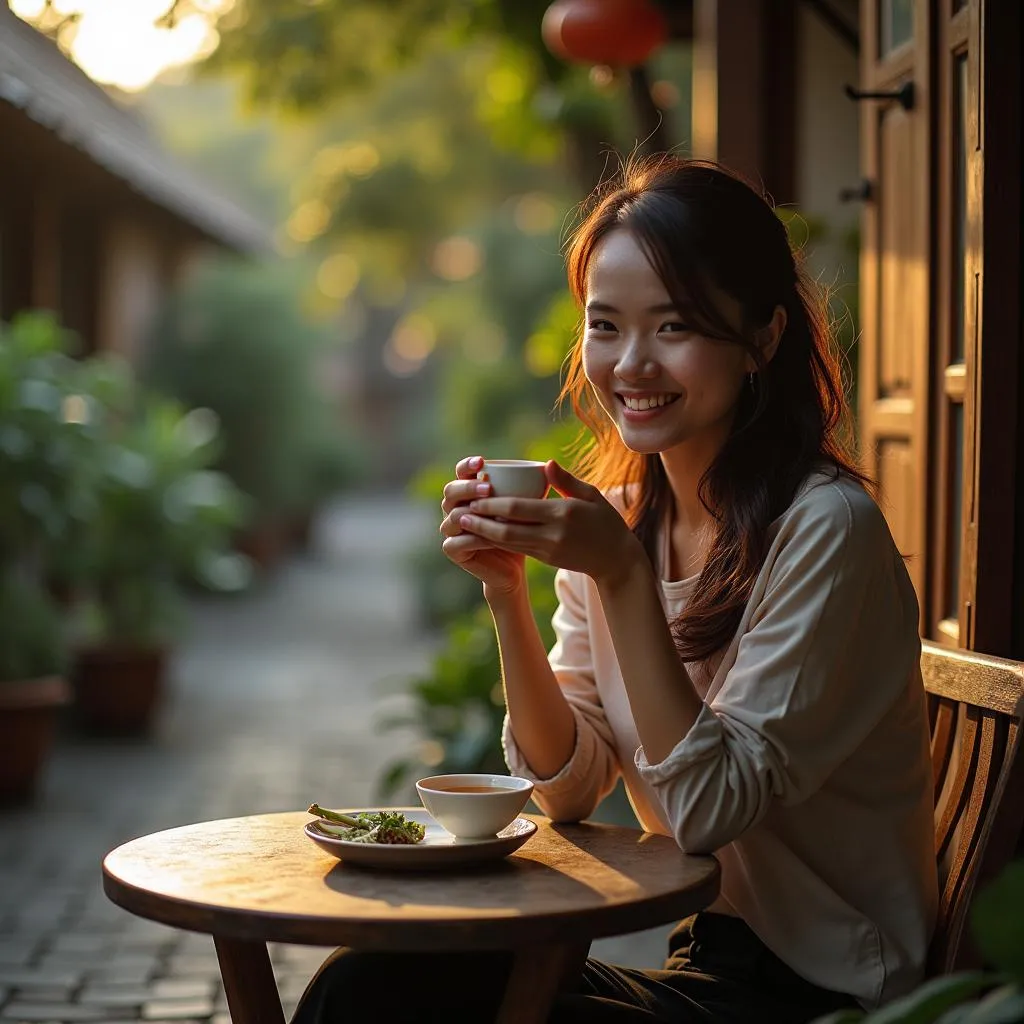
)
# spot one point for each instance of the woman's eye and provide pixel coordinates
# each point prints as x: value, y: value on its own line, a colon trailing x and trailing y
x: 604, y: 326
x: 674, y: 327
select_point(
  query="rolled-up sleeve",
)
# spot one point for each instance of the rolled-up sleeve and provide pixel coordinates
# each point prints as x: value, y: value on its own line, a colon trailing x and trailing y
x: 593, y: 768
x: 803, y: 693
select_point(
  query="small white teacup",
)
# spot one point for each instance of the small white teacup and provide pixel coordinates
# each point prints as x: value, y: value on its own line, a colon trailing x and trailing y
x: 474, y: 806
x: 515, y: 478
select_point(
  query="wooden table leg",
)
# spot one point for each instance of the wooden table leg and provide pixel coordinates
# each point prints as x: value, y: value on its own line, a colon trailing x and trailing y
x: 249, y: 981
x: 538, y: 972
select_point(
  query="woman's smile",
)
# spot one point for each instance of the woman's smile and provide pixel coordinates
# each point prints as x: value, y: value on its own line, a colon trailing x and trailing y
x: 643, y: 406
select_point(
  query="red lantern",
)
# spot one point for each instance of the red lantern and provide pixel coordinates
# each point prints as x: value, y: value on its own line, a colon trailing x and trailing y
x: 623, y: 33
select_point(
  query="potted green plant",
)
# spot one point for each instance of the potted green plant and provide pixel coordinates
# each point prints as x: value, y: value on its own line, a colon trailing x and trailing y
x: 32, y: 689
x: 42, y: 436
x: 160, y: 516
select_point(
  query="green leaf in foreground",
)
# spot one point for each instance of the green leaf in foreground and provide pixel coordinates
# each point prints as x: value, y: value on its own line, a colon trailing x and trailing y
x: 926, y: 1004
x: 997, y: 921
x: 1004, y: 1006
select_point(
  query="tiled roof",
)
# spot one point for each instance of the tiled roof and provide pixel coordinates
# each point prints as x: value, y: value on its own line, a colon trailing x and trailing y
x: 40, y: 81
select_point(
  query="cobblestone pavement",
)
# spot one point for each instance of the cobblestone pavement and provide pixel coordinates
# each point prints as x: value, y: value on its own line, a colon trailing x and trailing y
x: 272, y: 700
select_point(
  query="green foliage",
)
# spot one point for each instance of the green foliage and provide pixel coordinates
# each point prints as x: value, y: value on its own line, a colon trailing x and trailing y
x: 997, y: 924
x: 340, y: 47
x: 44, y: 427
x: 443, y: 592
x: 424, y: 122
x: 31, y: 630
x: 458, y: 706
x: 998, y: 921
x: 1003, y: 1005
x: 421, y: 121
x: 234, y: 340
x: 107, y: 493
x: 160, y: 514
x: 44, y: 431
x: 843, y: 294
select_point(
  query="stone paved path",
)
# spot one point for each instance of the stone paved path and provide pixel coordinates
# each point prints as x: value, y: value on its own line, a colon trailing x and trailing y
x: 273, y: 701
x: 272, y: 705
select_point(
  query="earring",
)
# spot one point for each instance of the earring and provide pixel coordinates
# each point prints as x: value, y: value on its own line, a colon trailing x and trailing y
x: 750, y: 381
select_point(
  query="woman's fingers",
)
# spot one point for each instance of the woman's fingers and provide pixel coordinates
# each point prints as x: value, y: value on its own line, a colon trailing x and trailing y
x: 520, y: 510
x: 461, y: 548
x: 568, y: 485
x: 466, y: 469
x: 461, y: 492
x: 512, y: 536
x: 450, y: 525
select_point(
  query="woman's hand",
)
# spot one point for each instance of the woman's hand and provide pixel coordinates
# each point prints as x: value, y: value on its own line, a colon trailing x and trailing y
x: 582, y: 532
x: 500, y: 571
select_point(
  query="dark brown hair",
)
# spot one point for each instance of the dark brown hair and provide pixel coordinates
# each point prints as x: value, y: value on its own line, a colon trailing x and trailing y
x: 701, y: 225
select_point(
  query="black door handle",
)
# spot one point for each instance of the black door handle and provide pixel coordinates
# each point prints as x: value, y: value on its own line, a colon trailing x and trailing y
x: 862, y: 193
x: 904, y: 95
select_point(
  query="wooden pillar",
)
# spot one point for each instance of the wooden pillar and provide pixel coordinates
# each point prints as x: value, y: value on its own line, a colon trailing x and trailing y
x: 744, y: 89
x: 15, y: 250
x: 131, y: 283
x: 45, y: 251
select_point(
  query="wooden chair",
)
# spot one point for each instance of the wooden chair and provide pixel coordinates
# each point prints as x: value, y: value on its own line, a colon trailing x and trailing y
x: 976, y: 704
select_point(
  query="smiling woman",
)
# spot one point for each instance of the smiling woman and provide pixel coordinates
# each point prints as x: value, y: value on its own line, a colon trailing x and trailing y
x: 124, y: 43
x: 736, y: 632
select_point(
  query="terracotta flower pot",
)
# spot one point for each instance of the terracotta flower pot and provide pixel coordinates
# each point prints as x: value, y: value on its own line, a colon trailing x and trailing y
x: 265, y: 544
x: 29, y: 710
x: 118, y: 688
x: 300, y: 529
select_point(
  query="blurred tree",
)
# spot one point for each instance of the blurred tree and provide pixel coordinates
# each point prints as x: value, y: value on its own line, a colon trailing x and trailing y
x: 341, y: 48
x: 426, y: 153
x: 336, y: 47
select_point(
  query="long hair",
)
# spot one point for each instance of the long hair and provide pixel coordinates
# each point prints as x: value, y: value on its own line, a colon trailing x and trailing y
x: 700, y: 225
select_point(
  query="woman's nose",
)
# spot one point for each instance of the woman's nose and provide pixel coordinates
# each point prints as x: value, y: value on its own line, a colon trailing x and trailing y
x: 635, y: 363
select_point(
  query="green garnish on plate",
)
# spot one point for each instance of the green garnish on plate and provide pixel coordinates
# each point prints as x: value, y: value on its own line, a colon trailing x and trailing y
x: 387, y: 827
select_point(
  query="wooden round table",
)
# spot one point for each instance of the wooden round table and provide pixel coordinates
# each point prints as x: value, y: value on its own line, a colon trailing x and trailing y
x: 247, y: 881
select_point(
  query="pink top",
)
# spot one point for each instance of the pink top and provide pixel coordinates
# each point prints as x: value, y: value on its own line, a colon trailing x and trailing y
x: 807, y: 772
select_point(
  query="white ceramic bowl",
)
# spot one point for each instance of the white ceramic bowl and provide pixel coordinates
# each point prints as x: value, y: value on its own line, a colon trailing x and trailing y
x: 474, y: 815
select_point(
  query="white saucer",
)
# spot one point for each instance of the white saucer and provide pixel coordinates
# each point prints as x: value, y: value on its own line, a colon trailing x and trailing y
x: 439, y: 849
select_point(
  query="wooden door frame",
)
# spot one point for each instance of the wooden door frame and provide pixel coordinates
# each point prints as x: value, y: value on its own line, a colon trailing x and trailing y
x: 897, y: 416
x: 994, y: 492
x: 992, y: 522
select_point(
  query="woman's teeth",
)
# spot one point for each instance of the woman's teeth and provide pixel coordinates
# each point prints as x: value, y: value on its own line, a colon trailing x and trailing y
x: 649, y: 402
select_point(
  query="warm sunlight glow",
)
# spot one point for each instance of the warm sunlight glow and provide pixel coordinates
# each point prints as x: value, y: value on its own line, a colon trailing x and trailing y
x: 118, y: 42
x: 338, y: 276
x: 414, y: 338
x: 485, y: 344
x: 27, y: 8
x: 535, y: 214
x: 310, y: 220
x: 456, y: 258
x: 410, y: 344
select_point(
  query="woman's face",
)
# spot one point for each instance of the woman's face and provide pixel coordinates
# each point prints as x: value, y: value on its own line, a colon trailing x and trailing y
x: 661, y: 381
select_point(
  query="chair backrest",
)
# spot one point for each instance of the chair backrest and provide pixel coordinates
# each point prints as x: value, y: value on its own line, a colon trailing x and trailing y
x: 975, y: 704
